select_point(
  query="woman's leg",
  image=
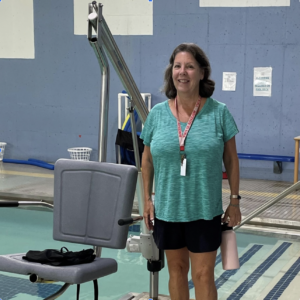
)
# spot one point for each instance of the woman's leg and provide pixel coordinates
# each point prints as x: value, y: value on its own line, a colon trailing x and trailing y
x: 203, y: 265
x: 178, y: 265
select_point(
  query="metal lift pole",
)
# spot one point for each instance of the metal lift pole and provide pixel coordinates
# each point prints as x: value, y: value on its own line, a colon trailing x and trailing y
x: 105, y: 41
x: 104, y: 99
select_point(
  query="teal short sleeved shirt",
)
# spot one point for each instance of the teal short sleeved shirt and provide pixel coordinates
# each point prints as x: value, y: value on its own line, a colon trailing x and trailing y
x: 198, y: 195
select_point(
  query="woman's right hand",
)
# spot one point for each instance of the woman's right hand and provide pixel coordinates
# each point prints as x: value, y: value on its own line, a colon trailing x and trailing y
x: 149, y: 213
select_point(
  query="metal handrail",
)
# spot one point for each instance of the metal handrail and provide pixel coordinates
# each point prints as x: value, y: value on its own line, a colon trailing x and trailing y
x: 270, y: 203
x: 13, y: 203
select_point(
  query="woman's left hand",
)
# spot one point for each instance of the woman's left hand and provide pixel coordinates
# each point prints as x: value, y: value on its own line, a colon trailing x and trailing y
x: 232, y: 216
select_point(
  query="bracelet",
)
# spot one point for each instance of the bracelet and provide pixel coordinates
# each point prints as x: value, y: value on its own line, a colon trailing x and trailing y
x: 234, y: 205
x: 235, y: 197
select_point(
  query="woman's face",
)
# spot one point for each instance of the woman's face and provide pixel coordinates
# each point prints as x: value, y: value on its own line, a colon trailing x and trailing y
x: 186, y: 74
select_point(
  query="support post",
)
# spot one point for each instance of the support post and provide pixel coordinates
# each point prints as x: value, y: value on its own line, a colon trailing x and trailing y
x: 153, y: 286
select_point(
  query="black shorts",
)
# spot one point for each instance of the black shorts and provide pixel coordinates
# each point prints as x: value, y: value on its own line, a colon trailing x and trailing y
x: 198, y: 236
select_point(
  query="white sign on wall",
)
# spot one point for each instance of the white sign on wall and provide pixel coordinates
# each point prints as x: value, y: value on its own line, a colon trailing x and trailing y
x: 262, y: 82
x: 229, y: 81
x: 123, y: 17
x: 17, y: 29
x: 243, y: 3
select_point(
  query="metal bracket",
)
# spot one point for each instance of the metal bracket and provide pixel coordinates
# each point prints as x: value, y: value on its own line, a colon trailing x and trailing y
x: 148, y: 247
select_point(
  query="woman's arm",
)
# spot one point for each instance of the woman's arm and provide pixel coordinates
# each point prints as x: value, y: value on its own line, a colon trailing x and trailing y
x: 231, y: 163
x: 148, y: 174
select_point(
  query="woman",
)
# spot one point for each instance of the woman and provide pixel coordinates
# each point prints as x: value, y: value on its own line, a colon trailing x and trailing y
x: 187, y: 165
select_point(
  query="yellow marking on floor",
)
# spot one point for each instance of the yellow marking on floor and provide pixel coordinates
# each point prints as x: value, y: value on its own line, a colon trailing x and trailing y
x: 262, y: 194
x: 27, y: 174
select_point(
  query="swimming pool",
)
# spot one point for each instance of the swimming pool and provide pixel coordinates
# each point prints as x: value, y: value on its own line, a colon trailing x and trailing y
x: 22, y: 230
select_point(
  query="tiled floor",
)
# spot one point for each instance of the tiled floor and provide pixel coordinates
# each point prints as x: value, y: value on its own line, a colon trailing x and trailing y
x: 255, y: 193
x: 26, y: 182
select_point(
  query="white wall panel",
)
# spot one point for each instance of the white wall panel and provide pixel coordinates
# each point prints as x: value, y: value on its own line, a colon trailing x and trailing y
x: 243, y: 3
x: 130, y: 17
x: 16, y: 29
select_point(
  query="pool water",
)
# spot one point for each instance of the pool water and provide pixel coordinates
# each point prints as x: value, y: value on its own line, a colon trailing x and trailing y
x: 22, y: 230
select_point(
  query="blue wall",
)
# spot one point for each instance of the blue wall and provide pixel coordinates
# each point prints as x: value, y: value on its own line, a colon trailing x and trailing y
x: 47, y: 102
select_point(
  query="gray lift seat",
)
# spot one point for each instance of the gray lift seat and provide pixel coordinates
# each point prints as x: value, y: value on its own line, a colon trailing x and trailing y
x: 89, y: 199
x: 77, y: 274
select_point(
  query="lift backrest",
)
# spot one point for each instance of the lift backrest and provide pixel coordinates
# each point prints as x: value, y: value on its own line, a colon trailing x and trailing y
x: 89, y: 199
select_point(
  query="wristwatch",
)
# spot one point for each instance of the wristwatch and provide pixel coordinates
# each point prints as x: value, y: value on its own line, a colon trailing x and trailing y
x: 235, y: 197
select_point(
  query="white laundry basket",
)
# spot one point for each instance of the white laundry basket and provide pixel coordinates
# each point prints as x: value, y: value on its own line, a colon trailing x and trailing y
x: 2, y: 148
x: 80, y: 153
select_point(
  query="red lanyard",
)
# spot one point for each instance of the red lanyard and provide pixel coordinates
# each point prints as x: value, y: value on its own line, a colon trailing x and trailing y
x: 189, y: 124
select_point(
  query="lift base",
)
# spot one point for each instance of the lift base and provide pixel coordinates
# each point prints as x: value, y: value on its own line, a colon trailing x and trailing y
x: 143, y: 296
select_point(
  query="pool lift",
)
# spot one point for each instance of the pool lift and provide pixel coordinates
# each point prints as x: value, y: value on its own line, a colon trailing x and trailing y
x: 103, y: 42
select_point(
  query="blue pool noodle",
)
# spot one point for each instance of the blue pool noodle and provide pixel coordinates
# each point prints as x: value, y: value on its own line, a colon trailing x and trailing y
x: 31, y: 161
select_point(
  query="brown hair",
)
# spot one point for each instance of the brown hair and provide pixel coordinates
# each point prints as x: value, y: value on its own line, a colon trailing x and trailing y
x: 206, y: 85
